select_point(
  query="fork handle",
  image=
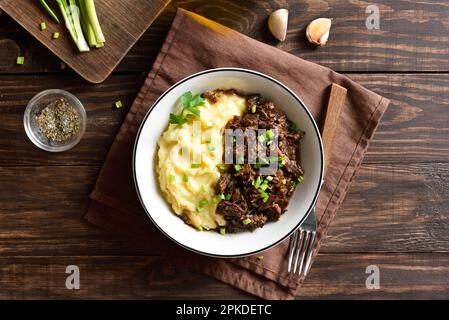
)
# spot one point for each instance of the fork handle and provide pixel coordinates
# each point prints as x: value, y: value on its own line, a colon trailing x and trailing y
x: 335, y: 105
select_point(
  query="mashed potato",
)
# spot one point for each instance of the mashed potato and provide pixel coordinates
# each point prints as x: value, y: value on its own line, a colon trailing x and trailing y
x: 187, y: 181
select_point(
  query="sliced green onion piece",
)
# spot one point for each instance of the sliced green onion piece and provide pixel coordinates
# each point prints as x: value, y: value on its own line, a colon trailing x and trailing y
x: 42, y: 26
x: 172, y: 178
x: 258, y: 182
x: 195, y: 165
x: 185, y: 178
x: 55, y: 35
x: 253, y: 108
x: 222, y: 231
x: 237, y: 167
x: 269, y: 178
x: 228, y: 196
x: 269, y: 134
x: 20, y: 60
x: 211, y: 147
x: 118, y: 104
x: 246, y: 221
x: 222, y: 167
x: 203, y: 203
x: 260, y: 258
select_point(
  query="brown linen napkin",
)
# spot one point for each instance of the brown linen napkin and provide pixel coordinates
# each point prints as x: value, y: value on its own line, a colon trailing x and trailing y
x: 195, y: 43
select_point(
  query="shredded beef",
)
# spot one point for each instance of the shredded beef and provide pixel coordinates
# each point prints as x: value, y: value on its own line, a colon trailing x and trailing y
x: 247, y: 206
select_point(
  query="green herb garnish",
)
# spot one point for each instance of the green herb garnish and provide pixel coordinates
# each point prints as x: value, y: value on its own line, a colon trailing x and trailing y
x: 195, y: 165
x: 237, y: 167
x: 228, y: 197
x: 222, y: 231
x: 190, y: 103
x: 55, y: 35
x: 185, y: 178
x: 246, y: 221
x: 42, y: 26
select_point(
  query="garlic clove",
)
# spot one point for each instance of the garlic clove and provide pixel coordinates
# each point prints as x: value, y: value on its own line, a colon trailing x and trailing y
x: 277, y: 23
x: 317, y: 31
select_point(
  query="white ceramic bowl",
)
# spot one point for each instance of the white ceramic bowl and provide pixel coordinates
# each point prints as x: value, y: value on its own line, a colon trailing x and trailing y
x: 213, y: 243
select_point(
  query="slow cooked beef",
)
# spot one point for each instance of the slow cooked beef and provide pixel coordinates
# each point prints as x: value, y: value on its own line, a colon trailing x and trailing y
x: 250, y: 199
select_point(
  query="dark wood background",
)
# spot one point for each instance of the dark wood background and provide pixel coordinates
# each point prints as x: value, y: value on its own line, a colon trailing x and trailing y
x: 395, y: 216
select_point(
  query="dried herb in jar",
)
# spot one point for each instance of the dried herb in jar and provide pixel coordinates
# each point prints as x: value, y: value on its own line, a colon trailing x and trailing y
x: 59, y: 121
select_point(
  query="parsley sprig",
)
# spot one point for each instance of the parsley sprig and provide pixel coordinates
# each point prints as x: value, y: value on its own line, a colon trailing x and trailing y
x: 190, y: 104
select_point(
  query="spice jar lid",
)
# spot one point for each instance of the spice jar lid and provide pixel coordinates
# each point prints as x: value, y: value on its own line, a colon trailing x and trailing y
x: 50, y: 111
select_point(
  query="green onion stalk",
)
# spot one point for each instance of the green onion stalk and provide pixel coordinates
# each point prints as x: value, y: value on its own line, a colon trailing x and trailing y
x: 81, y: 20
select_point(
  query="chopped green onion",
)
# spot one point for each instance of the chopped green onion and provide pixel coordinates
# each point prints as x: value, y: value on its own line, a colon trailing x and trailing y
x: 211, y: 147
x: 172, y: 178
x: 263, y: 186
x: 118, y: 104
x: 264, y: 196
x: 237, y: 167
x: 260, y: 258
x: 203, y: 203
x: 185, y: 178
x: 246, y: 221
x: 203, y: 189
x: 253, y: 108
x: 222, y: 231
x: 228, y: 196
x: 42, y: 26
x: 199, y: 209
x: 195, y: 165
x: 55, y: 35
x: 257, y: 165
x: 222, y: 167
x: 20, y: 60
x: 218, y: 198
x: 269, y: 178
x: 269, y: 134
x: 258, y: 182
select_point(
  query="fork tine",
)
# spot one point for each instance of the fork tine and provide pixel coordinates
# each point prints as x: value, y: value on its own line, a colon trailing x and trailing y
x: 299, y: 246
x: 304, y: 249
x: 291, y: 249
x: 309, y: 252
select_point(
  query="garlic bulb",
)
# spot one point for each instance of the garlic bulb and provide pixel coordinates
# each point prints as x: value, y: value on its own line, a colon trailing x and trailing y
x: 277, y: 23
x: 317, y: 31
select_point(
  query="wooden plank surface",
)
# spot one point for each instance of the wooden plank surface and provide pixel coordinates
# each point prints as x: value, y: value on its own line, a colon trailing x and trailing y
x: 424, y: 276
x: 395, y: 215
x: 122, y: 22
x: 412, y: 37
x: 414, y: 128
x: 390, y: 208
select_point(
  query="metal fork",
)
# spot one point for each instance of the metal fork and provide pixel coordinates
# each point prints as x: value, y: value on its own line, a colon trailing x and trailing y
x: 301, y: 245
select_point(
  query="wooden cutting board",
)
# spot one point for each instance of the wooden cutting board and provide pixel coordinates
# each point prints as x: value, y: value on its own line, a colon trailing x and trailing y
x: 122, y: 22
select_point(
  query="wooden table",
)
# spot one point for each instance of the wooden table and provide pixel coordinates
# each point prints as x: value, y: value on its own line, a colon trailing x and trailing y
x: 396, y: 215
